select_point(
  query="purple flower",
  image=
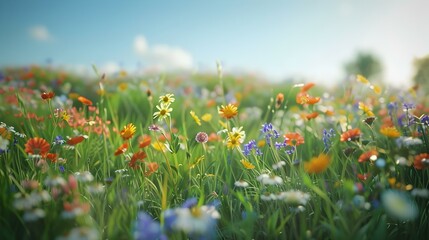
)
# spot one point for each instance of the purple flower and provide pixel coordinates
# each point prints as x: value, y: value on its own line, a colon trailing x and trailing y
x: 201, y: 137
x: 425, y: 120
x: 146, y: 228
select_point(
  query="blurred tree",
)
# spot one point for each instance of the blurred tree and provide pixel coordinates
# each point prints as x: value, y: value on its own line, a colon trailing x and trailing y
x: 421, y: 77
x: 365, y: 64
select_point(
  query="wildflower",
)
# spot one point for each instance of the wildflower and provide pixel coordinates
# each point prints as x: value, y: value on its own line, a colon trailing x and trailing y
x: 197, y: 222
x: 146, y: 228
x: 293, y: 139
x: 249, y: 146
x: 52, y: 157
x: 138, y: 156
x: 4, y: 133
x: 246, y: 164
x: 84, y: 176
x: 266, y: 179
x: 366, y: 109
x: 232, y: 142
x: 279, y: 99
x: 164, y: 111
x: 241, y: 183
x: 304, y: 98
x: 123, y: 148
x: 206, y: 117
x: 151, y: 168
x: 33, y: 215
x: 201, y: 137
x: 317, y: 164
x: 390, y: 132
x: 229, y: 111
x: 363, y: 177
x: 351, y: 135
x: 75, y: 140
x: 154, y: 127
x: 144, y: 141
x: 4, y: 143
x: 362, y: 79
x: 307, y: 87
x: 84, y: 101
x: 294, y: 197
x: 279, y: 165
x: 128, y: 131
x: 159, y: 146
x: 399, y: 205
x: 369, y: 120
x: 327, y: 135
x: 238, y: 133
x: 420, y: 192
x: 37, y: 146
x: 421, y: 161
x: 369, y: 155
x: 47, y: 95
x: 376, y: 88
x: 167, y: 99
x: 311, y: 115
x: 268, y: 197
x: 196, y: 118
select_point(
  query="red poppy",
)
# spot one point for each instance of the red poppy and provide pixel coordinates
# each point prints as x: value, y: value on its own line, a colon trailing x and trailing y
x: 421, y: 161
x: 293, y: 139
x: 48, y: 95
x: 37, y: 146
x: 75, y: 140
x: 351, y: 135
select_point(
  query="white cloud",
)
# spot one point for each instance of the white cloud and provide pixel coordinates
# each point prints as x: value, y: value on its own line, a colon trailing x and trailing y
x: 40, y: 33
x: 162, y: 57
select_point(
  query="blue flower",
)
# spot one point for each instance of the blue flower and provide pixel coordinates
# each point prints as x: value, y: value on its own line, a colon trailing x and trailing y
x: 146, y: 228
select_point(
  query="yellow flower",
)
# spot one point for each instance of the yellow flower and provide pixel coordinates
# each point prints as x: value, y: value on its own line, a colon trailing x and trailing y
x: 122, y: 86
x: 261, y: 143
x: 128, y: 131
x: 391, y: 132
x: 195, y: 117
x: 362, y: 79
x: 4, y: 133
x: 366, y: 109
x: 232, y: 142
x: 65, y: 116
x: 167, y: 99
x: 247, y: 164
x: 376, y: 89
x: 238, y: 134
x: 159, y: 146
x: 206, y: 117
x: 223, y: 125
x: 317, y: 164
x: 164, y: 111
x: 229, y: 111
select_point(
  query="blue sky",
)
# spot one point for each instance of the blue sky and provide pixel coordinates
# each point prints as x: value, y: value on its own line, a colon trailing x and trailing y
x: 276, y: 39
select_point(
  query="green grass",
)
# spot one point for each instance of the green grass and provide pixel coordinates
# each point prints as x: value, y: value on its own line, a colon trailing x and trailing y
x: 334, y: 203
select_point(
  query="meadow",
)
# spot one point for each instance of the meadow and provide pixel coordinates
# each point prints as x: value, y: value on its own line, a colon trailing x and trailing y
x: 174, y: 156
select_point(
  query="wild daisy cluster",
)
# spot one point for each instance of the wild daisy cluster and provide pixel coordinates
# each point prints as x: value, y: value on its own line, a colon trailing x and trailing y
x: 163, y: 106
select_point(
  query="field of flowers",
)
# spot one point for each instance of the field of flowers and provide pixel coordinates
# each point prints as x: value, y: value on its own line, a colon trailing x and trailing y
x: 210, y: 157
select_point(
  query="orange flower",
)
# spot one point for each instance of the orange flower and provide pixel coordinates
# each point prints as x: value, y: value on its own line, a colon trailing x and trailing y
x: 4, y: 133
x: 390, y: 132
x: 307, y: 87
x: 48, y: 95
x: 279, y: 99
x: 37, y: 146
x: 421, y: 161
x: 123, y: 148
x: 351, y: 135
x: 151, y: 168
x: 75, y: 140
x: 364, y: 157
x: 293, y: 139
x: 85, y: 100
x: 128, y: 131
x: 145, y: 141
x: 229, y: 111
x: 140, y: 155
x: 311, y: 115
x: 52, y: 156
x: 363, y: 177
x: 305, y: 98
x: 317, y: 164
